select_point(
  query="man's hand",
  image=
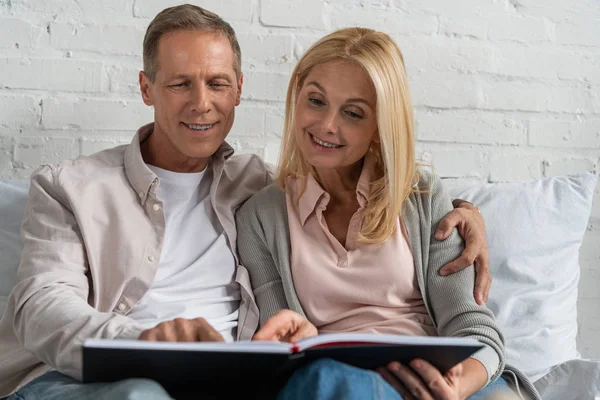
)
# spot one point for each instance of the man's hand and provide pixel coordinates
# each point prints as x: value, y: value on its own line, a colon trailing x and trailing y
x: 286, y: 326
x: 422, y: 381
x: 182, y: 330
x: 467, y: 218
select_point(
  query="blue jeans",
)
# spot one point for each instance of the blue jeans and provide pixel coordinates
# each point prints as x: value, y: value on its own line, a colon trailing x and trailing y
x: 328, y: 379
x: 323, y: 379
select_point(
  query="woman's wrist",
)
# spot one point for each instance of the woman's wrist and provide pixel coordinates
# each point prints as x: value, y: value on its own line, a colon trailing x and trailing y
x: 474, y: 377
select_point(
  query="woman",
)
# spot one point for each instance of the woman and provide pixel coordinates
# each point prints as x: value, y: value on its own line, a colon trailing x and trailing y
x: 348, y: 243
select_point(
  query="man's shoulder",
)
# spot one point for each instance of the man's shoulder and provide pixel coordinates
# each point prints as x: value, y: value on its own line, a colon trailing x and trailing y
x: 84, y: 168
x: 249, y: 163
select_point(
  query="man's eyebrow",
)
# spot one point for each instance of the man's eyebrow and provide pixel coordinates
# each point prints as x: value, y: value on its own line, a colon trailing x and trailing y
x: 185, y: 76
x: 352, y: 100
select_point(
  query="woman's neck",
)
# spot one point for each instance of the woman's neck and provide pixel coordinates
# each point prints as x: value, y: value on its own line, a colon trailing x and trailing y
x: 340, y: 183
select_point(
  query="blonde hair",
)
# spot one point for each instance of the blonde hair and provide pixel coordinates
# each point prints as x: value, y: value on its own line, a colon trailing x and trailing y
x: 185, y: 17
x: 395, y: 175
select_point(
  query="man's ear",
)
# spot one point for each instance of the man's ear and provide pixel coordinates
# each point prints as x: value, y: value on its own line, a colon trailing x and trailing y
x: 240, y: 83
x: 145, y: 88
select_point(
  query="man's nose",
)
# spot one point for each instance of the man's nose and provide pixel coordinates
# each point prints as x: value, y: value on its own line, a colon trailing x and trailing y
x: 200, y: 99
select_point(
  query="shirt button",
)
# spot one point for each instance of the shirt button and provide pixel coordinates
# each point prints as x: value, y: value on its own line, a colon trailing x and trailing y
x: 156, y: 207
x: 141, y: 194
x: 151, y: 258
x: 121, y: 307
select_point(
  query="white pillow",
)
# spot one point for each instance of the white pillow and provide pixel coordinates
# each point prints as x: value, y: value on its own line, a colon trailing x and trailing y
x: 534, y: 231
x: 573, y: 380
x: 13, y: 197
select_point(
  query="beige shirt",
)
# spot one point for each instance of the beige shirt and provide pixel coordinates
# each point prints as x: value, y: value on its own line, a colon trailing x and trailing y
x: 92, y: 238
x: 357, y: 287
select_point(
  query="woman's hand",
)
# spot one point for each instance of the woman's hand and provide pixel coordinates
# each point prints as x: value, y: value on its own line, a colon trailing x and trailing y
x: 471, y: 227
x: 286, y: 326
x: 423, y: 381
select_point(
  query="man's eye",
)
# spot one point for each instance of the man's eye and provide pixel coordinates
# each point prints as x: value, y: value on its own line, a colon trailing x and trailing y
x: 178, y: 85
x: 316, y: 102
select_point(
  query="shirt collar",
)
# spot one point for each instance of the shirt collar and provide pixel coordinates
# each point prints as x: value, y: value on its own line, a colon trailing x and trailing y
x: 314, y: 196
x: 141, y: 177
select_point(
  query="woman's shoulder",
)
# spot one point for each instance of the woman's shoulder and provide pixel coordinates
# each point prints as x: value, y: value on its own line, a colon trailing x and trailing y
x: 269, y: 199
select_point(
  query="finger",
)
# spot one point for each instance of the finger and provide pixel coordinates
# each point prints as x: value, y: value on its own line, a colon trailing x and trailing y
x: 276, y: 327
x: 449, y: 222
x: 483, y: 280
x: 434, y: 380
x: 185, y: 330
x: 411, y: 381
x: 395, y: 383
x: 466, y: 259
x: 205, y: 332
x: 306, y: 330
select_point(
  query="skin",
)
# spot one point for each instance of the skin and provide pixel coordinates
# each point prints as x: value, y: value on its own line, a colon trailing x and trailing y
x: 195, y: 83
x: 336, y: 104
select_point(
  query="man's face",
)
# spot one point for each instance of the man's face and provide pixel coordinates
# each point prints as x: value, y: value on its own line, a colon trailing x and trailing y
x: 194, y: 95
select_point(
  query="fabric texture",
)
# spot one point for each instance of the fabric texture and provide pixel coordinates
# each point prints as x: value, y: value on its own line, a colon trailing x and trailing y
x: 264, y: 248
x: 329, y: 277
x: 573, y: 380
x: 91, y: 244
x: 534, y: 232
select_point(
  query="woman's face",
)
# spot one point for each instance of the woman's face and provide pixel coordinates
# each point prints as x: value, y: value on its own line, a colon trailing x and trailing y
x: 336, y: 119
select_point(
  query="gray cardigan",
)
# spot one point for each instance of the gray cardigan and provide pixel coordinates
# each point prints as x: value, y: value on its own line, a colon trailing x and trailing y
x: 264, y: 249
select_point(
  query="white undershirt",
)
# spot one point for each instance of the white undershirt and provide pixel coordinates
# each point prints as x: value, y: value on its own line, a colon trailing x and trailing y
x: 196, y: 275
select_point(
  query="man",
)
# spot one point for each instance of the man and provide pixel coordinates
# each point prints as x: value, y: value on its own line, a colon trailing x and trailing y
x: 138, y: 242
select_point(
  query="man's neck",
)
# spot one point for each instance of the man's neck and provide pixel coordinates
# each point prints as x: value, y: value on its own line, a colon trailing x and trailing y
x: 158, y: 151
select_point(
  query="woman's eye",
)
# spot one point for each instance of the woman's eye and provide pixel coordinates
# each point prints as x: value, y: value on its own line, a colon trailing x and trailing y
x: 354, y: 115
x: 316, y: 102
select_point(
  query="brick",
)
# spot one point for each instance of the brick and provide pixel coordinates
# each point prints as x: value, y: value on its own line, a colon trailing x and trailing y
x: 475, y: 8
x: 445, y: 54
x: 265, y: 86
x: 568, y: 166
x: 526, y: 96
x: 87, y: 146
x: 457, y: 163
x: 93, y: 8
x: 464, y: 27
x: 272, y: 149
x: 581, y: 32
x: 16, y: 33
x: 32, y: 152
x: 527, y: 62
x: 468, y: 127
x: 95, y: 114
x: 7, y: 147
x: 103, y: 39
x: 296, y: 14
x: 582, y: 133
x: 274, y: 120
x: 227, y: 9
x: 506, y: 167
x: 249, y: 121
x: 521, y: 29
x: 390, y: 21
x: 445, y: 90
x: 52, y: 74
x: 266, y: 50
x: 124, y: 79
x: 559, y: 10
x: 579, y: 66
x: 17, y: 111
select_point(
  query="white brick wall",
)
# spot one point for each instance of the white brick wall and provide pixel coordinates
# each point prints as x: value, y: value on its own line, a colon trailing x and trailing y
x: 504, y: 89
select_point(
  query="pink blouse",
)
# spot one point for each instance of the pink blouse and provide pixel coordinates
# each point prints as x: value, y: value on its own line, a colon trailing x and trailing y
x: 359, y: 287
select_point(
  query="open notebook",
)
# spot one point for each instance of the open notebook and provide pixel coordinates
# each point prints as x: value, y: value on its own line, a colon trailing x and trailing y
x: 214, y: 363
